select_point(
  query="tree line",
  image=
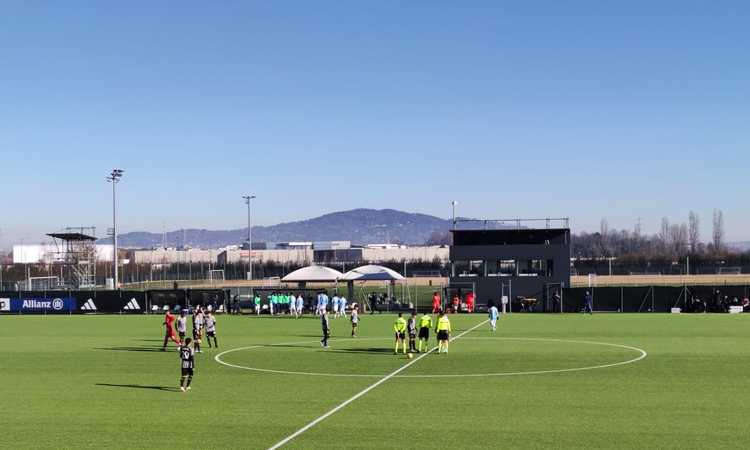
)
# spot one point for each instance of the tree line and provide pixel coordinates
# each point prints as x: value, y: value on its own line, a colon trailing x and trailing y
x: 673, y: 240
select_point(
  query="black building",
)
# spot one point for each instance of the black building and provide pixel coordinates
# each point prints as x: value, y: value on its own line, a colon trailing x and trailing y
x: 526, y: 265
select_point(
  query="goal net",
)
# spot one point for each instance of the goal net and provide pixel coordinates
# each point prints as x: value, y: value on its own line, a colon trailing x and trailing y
x: 215, y: 275
x: 42, y: 283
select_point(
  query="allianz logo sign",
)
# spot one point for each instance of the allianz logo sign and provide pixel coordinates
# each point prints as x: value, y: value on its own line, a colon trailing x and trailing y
x: 57, y: 304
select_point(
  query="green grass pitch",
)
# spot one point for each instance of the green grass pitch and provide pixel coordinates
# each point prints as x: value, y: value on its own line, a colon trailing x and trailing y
x: 101, y: 382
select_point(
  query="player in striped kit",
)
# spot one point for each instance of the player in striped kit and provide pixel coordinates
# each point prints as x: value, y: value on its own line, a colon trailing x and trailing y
x: 411, y: 328
x: 187, y: 363
x: 355, y: 320
x: 182, y: 324
x: 210, y: 321
x: 326, y: 326
x: 197, y: 328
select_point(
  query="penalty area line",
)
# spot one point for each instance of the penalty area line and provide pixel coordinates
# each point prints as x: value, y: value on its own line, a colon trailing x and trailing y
x: 363, y: 392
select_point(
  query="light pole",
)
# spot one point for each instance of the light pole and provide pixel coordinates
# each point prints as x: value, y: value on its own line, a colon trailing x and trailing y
x: 249, y: 234
x: 114, y: 178
x: 453, y: 207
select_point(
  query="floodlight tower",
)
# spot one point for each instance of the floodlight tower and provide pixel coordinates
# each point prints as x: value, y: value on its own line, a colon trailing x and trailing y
x: 114, y: 178
x: 453, y: 208
x: 249, y: 234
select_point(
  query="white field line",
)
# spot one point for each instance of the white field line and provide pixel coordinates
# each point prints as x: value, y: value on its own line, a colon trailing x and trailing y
x: 363, y: 392
x: 643, y: 354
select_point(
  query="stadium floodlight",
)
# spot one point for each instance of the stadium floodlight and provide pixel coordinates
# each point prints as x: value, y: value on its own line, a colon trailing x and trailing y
x: 453, y: 207
x: 249, y: 233
x: 114, y: 178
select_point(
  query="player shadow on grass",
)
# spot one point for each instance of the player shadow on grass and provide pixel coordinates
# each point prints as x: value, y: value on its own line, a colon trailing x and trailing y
x: 139, y: 386
x: 131, y: 349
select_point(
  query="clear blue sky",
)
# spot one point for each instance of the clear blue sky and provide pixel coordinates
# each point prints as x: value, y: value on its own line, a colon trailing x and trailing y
x: 580, y: 109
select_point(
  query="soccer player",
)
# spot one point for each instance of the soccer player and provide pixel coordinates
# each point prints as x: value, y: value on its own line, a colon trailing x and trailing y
x: 326, y: 329
x: 355, y: 320
x: 292, y: 305
x: 400, y: 328
x: 342, y: 306
x: 187, y: 359
x: 589, y: 303
x: 182, y: 324
x: 322, y: 303
x: 197, y: 329
x: 425, y: 323
x: 436, y: 302
x: 493, y: 317
x: 443, y: 329
x: 211, y: 329
x: 300, y: 305
x: 169, y: 330
x: 470, y: 302
x: 256, y: 300
x: 411, y: 327
x: 335, y: 303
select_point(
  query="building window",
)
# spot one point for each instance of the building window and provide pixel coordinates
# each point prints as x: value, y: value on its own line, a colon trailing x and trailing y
x: 535, y: 268
x: 476, y: 268
x: 501, y: 268
x: 508, y: 267
x: 464, y: 268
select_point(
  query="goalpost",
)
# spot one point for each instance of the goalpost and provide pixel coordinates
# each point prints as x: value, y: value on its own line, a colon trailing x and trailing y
x: 215, y: 275
x: 42, y: 283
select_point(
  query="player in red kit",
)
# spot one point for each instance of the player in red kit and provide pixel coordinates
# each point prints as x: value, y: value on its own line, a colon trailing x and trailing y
x: 470, y: 302
x: 169, y: 331
x: 436, y: 303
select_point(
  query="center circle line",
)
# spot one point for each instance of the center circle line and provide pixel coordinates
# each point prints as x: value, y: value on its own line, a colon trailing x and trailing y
x: 643, y: 354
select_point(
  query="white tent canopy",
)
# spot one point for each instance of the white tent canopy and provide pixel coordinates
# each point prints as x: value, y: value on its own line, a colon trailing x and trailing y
x: 313, y: 274
x: 371, y: 273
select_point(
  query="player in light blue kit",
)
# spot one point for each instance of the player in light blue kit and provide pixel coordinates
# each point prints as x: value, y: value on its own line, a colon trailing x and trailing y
x: 493, y: 317
x: 300, y: 306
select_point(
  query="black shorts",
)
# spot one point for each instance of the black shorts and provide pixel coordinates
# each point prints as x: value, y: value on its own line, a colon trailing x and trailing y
x: 442, y: 335
x: 400, y: 335
x: 182, y: 336
x: 424, y: 333
x: 211, y: 333
x: 186, y: 372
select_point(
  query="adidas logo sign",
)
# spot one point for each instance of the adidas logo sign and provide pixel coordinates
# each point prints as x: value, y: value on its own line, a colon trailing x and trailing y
x: 132, y: 305
x: 88, y: 306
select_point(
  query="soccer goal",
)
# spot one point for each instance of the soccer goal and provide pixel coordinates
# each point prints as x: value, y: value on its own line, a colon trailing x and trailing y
x: 42, y: 283
x: 730, y: 270
x: 215, y: 275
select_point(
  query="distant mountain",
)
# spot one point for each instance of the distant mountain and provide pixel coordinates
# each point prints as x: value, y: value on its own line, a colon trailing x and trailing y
x: 360, y: 226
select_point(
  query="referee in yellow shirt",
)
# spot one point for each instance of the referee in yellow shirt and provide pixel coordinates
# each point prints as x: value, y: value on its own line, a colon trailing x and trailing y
x: 400, y: 328
x: 443, y: 329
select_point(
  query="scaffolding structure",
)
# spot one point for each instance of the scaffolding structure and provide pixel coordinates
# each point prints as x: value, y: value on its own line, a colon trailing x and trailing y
x: 75, y: 254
